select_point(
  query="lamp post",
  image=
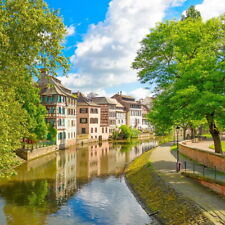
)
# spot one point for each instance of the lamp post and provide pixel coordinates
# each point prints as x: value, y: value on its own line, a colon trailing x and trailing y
x: 177, y: 130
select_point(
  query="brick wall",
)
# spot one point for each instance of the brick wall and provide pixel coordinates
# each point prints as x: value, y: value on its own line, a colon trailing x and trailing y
x: 215, y: 187
x: 209, y: 159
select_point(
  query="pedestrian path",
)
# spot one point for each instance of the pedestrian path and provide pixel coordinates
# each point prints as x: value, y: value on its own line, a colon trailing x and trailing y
x: 213, y: 205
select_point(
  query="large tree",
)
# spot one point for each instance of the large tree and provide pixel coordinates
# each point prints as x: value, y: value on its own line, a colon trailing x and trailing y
x: 186, y: 61
x: 31, y: 37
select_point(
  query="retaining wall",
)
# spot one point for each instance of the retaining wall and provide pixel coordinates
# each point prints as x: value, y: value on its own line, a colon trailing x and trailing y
x: 35, y: 153
x: 215, y: 187
x: 207, y: 158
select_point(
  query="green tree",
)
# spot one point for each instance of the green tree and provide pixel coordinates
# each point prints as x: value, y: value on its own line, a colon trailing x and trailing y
x: 12, y: 123
x: 191, y: 13
x: 31, y: 37
x: 185, y: 59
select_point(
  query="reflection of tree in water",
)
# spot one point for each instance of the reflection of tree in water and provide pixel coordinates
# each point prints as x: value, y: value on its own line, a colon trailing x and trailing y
x: 28, y: 202
x: 127, y: 146
x: 32, y: 193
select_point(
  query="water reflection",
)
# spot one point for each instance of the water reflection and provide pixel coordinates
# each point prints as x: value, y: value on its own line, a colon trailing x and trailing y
x: 65, y: 186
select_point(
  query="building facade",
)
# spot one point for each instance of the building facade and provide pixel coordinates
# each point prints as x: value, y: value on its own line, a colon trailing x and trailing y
x: 89, y: 126
x: 121, y: 117
x: 108, y: 112
x: 61, y: 109
x: 133, y: 110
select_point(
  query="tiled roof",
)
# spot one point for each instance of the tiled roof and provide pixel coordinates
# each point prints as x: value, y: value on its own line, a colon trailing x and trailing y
x: 104, y: 101
x: 50, y: 85
x: 83, y: 100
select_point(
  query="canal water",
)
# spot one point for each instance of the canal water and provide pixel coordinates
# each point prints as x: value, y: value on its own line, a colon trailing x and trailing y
x: 80, y: 186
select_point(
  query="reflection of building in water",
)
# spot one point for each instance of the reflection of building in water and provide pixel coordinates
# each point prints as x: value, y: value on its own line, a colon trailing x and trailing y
x: 148, y: 145
x: 106, y: 158
x: 65, y: 183
x: 89, y: 159
x: 39, y: 188
x: 43, y: 184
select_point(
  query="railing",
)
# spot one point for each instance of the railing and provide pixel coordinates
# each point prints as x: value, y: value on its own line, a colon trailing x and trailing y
x: 201, y: 170
x: 37, y: 145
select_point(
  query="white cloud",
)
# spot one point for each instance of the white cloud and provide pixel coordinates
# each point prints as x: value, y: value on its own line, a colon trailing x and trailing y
x: 140, y: 93
x: 105, y: 56
x: 70, y: 31
x: 211, y: 8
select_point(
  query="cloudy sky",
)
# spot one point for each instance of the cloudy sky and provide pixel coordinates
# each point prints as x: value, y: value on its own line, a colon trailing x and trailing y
x: 103, y: 37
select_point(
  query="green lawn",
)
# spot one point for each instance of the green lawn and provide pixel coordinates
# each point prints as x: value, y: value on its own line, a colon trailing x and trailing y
x: 207, y: 135
x: 223, y: 146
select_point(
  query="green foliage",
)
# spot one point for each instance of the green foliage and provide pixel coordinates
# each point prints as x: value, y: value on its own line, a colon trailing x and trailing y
x: 12, y: 123
x: 191, y: 13
x: 185, y: 59
x: 125, y: 132
x: 52, y: 132
x: 223, y: 146
x: 31, y: 36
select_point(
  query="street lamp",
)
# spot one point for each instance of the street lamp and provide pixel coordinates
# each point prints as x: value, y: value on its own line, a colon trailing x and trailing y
x: 177, y: 130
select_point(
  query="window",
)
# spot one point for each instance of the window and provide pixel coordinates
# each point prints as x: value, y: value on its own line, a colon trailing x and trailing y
x: 83, y: 120
x: 61, y: 122
x: 103, y: 130
x: 93, y: 120
x: 106, y: 129
x: 60, y: 110
x: 112, y: 114
x: 60, y: 136
x: 92, y: 130
x: 94, y: 110
x: 83, y: 130
x: 83, y: 110
x: 96, y: 130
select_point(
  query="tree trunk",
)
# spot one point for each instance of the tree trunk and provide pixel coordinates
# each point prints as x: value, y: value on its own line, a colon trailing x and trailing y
x: 192, y: 133
x: 200, y: 130
x: 184, y: 132
x: 215, y: 133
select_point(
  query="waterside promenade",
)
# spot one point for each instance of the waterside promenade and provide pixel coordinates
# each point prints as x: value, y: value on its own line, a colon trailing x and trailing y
x: 164, y: 162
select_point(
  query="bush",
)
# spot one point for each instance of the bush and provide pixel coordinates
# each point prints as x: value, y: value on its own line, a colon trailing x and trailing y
x: 125, y: 133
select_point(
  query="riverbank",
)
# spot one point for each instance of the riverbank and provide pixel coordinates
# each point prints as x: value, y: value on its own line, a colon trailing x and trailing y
x: 156, y: 190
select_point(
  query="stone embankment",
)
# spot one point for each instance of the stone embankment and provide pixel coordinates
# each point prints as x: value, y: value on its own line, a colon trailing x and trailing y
x: 29, y: 154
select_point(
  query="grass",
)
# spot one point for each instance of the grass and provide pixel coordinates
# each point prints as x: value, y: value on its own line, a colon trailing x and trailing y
x: 157, y: 195
x: 223, y: 146
x: 208, y: 135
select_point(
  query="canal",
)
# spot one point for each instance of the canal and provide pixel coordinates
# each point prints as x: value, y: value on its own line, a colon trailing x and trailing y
x: 80, y: 186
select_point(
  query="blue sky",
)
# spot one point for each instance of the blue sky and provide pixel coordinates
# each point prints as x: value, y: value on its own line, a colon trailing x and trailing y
x: 104, y: 35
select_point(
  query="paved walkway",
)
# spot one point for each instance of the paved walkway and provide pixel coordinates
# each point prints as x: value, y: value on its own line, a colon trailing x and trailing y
x: 212, y: 204
x: 204, y: 145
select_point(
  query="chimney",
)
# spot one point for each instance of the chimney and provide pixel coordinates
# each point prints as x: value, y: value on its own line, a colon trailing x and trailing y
x: 43, y: 71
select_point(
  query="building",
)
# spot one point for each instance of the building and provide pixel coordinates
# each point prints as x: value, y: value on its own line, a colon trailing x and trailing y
x: 121, y: 117
x: 89, y: 127
x: 145, y: 122
x: 147, y: 101
x: 146, y: 105
x: 133, y: 110
x: 108, y: 112
x: 61, y: 108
